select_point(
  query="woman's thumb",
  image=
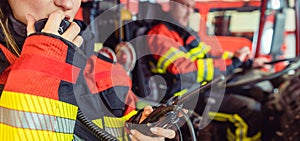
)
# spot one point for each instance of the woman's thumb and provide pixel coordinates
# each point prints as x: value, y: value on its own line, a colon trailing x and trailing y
x: 30, y: 24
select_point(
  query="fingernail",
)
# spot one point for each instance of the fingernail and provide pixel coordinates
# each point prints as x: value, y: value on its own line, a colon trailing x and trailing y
x: 154, y: 130
x: 147, y: 113
x: 132, y: 132
x: 130, y: 136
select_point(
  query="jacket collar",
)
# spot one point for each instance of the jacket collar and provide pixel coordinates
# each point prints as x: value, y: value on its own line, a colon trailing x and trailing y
x: 18, y: 30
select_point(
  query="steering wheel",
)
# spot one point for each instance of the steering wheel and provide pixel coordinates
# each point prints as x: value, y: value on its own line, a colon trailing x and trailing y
x: 294, y: 63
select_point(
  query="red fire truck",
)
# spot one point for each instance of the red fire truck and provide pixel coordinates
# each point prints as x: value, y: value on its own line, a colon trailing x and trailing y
x: 269, y: 27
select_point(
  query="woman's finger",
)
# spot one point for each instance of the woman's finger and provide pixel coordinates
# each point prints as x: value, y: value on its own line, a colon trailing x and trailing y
x: 147, y: 111
x: 53, y: 22
x: 168, y: 133
x: 30, y: 24
x: 141, y: 137
x: 132, y: 138
x: 78, y: 41
x: 72, y: 32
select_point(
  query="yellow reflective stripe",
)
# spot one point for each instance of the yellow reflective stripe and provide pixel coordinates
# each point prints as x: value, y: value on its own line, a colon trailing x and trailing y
x: 168, y: 58
x: 219, y: 116
x: 36, y: 104
x: 256, y: 137
x: 230, y: 136
x: 122, y: 138
x: 129, y: 115
x: 204, y: 83
x: 98, y: 122
x: 154, y: 68
x: 201, y: 69
x: 181, y: 93
x: 112, y: 125
x: 114, y: 122
x: 227, y: 55
x: 196, y: 53
x: 239, y: 123
x: 205, y: 70
x: 8, y: 133
x: 210, y: 69
x: 199, y: 52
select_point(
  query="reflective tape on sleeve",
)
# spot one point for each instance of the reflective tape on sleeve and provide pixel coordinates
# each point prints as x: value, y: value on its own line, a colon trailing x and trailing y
x: 9, y: 133
x: 205, y: 70
x: 112, y: 125
x: 34, y: 121
x: 28, y: 117
x: 199, y: 52
x: 210, y: 69
x: 168, y: 58
x: 36, y: 104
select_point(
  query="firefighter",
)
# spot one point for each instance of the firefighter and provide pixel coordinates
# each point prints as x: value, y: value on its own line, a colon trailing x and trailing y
x: 178, y: 54
x: 173, y: 40
x: 45, y: 75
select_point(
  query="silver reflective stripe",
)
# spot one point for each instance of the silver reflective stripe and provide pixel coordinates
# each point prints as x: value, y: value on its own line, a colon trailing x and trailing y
x: 76, y: 138
x: 205, y: 69
x: 117, y: 132
x: 64, y: 125
x: 34, y: 121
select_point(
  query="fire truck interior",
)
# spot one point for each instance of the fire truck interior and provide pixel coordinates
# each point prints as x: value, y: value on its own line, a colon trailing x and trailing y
x: 270, y: 28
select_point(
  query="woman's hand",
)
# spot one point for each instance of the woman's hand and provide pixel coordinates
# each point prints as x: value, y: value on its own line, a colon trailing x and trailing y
x: 162, y: 133
x: 52, y: 26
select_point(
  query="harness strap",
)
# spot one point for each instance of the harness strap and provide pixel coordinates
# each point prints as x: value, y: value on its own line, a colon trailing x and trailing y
x: 9, y: 55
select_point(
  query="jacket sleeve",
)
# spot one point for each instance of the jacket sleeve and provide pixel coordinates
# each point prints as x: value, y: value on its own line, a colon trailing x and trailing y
x: 223, y: 60
x: 33, y: 104
x: 112, y: 82
x: 170, y: 55
x: 6, y: 59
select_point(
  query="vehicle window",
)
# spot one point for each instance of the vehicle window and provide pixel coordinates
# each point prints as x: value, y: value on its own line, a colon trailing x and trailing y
x: 233, y: 22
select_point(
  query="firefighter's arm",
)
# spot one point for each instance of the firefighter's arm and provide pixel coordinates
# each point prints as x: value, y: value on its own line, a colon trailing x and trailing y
x: 30, y: 106
x: 6, y: 58
x: 174, y: 60
x: 169, y: 54
x: 242, y: 59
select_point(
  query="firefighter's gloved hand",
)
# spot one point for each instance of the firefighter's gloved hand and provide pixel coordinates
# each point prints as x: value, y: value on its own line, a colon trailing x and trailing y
x: 162, y: 133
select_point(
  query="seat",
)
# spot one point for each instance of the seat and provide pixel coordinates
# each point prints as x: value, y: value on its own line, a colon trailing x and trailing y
x: 146, y: 85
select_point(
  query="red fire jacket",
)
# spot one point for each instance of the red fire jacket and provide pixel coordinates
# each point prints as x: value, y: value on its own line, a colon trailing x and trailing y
x: 39, y: 89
